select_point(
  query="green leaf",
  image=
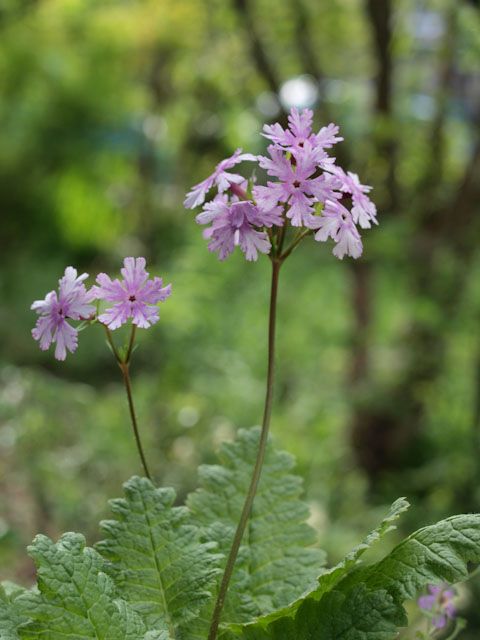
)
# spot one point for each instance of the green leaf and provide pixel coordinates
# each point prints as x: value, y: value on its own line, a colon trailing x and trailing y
x: 360, y: 615
x: 329, y: 578
x: 10, y: 616
x: 435, y: 554
x: 159, y: 564
x: 276, y: 562
x: 367, y: 602
x: 76, y: 599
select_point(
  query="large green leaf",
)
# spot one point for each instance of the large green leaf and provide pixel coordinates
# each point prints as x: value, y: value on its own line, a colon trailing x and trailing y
x: 366, y: 602
x: 159, y: 564
x: 276, y: 562
x: 75, y: 598
x: 329, y: 578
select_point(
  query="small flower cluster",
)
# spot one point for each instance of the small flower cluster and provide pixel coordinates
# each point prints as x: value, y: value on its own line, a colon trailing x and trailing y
x: 309, y: 191
x: 135, y: 297
x: 438, y: 604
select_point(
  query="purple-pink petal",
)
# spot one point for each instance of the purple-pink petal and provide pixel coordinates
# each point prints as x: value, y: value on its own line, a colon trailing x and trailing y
x: 107, y: 289
x: 300, y: 210
x: 115, y: 316
x: 134, y: 274
x: 43, y: 332
x: 300, y: 123
x: 252, y: 241
x: 144, y: 316
x: 212, y: 210
x: 268, y: 197
x: 327, y: 136
x: 66, y: 338
x: 268, y: 217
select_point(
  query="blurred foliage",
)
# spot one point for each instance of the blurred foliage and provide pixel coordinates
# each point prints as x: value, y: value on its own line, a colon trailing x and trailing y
x: 110, y: 111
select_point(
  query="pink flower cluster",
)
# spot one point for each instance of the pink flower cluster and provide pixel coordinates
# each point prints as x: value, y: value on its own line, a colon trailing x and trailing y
x: 307, y: 190
x: 134, y: 297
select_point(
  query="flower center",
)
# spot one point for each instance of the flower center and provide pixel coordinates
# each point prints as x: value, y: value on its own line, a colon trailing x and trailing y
x: 132, y: 298
x: 296, y: 184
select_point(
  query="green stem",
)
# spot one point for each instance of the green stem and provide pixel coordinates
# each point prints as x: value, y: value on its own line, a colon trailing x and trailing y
x: 125, y: 369
x: 229, y: 567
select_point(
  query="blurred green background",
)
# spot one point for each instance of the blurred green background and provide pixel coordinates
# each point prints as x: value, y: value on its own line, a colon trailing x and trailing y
x: 110, y: 110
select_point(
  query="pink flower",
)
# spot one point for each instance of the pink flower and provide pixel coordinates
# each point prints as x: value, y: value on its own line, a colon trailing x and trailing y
x: 300, y: 131
x: 220, y: 178
x: 234, y: 225
x: 299, y: 186
x: 336, y: 222
x: 72, y: 302
x: 134, y: 297
x: 364, y: 211
x: 440, y: 603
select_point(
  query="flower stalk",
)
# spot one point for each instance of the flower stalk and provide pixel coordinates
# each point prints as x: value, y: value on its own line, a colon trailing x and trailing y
x: 124, y: 365
x: 262, y: 447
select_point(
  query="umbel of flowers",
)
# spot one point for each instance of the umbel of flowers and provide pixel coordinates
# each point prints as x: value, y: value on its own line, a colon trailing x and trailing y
x: 307, y: 191
x: 134, y: 297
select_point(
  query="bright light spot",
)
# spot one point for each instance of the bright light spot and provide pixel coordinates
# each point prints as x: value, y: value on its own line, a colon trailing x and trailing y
x: 299, y: 92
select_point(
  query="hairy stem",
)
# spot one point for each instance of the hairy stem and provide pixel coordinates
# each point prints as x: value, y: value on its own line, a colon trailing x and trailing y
x: 276, y: 264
